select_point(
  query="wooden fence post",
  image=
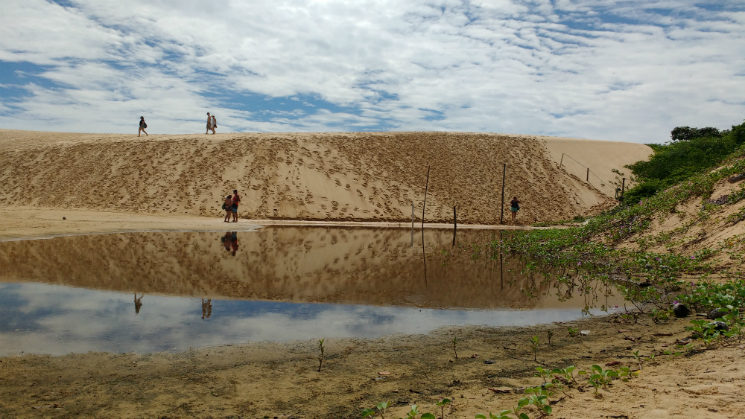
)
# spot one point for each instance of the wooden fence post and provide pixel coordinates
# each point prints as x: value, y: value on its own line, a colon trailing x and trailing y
x: 501, y: 213
x: 424, y: 205
x: 455, y: 224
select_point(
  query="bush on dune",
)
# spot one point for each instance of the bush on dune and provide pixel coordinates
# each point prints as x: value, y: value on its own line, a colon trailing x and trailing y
x: 691, y: 151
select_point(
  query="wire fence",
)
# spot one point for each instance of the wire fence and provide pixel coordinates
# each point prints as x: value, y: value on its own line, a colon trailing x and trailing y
x: 588, y: 171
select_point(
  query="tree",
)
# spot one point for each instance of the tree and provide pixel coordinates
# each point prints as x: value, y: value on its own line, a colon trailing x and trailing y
x: 688, y: 133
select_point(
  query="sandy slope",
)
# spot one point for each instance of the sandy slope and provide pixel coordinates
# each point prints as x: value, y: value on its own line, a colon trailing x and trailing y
x: 604, y: 159
x: 341, y: 176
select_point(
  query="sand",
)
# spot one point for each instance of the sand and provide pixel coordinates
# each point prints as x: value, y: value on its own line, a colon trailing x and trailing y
x: 114, y: 183
x: 273, y: 380
x: 330, y: 177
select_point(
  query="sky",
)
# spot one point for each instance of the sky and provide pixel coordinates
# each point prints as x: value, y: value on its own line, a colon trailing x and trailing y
x: 597, y: 69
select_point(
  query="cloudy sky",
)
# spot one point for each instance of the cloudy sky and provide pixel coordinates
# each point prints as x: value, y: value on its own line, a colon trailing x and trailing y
x: 601, y: 69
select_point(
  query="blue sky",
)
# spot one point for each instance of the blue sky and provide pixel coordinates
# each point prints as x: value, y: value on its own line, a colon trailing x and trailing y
x: 613, y: 70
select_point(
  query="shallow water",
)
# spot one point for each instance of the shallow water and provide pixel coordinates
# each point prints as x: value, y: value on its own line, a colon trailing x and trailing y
x: 146, y: 292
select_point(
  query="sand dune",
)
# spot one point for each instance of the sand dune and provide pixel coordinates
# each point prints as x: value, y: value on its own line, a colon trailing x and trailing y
x: 323, y: 176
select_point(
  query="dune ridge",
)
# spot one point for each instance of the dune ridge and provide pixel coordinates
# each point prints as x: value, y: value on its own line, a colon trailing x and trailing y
x: 313, y: 176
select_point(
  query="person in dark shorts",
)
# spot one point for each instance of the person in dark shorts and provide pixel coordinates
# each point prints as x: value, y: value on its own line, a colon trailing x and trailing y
x: 143, y: 125
x: 514, y: 207
x: 234, y: 208
x: 227, y: 205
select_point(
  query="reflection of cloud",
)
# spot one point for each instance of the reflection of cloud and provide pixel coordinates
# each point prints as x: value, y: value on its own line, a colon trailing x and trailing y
x: 58, y: 320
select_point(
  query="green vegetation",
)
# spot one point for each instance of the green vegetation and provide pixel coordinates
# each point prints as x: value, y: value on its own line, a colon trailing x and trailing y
x: 691, y: 151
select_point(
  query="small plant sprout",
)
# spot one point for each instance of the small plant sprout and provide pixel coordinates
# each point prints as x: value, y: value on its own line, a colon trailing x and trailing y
x: 638, y: 359
x: 413, y: 413
x: 573, y: 332
x: 321, y: 350
x: 504, y: 414
x: 455, y: 344
x: 543, y: 373
x: 534, y: 345
x: 379, y: 408
x: 442, y: 403
x: 539, y: 398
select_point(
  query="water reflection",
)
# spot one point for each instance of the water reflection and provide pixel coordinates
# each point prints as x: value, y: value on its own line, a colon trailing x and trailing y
x: 53, y: 319
x: 230, y: 242
x: 322, y: 265
x: 138, y: 303
x: 64, y: 295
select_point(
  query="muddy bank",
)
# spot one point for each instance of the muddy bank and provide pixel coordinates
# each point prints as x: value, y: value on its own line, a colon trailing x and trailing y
x: 282, y: 380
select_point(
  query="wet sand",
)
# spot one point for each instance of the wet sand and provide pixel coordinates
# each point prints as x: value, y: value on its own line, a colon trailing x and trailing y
x: 282, y: 380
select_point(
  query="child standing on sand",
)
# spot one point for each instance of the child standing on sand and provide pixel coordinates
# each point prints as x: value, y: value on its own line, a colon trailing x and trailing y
x: 228, y: 207
x: 514, y: 207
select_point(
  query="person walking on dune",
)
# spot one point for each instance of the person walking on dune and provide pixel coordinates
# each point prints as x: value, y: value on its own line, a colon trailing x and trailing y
x: 143, y: 125
x: 209, y: 124
x: 234, y: 208
x: 214, y: 124
x: 514, y: 208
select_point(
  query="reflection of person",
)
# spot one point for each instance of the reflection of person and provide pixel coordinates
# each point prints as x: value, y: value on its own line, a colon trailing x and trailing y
x: 230, y: 241
x: 138, y: 303
x: 234, y: 241
x: 227, y: 205
x: 143, y: 125
x: 206, y: 308
x: 226, y: 239
x: 514, y: 207
x: 234, y: 208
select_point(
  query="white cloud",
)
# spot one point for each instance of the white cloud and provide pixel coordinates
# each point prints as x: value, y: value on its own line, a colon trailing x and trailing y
x: 506, y: 66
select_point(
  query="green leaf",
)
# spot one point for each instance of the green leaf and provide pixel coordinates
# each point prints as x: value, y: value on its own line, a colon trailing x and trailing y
x: 368, y: 412
x: 523, y: 416
x: 523, y: 402
x: 428, y: 416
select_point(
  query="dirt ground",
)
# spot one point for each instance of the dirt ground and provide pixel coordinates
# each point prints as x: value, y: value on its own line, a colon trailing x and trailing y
x: 492, y: 368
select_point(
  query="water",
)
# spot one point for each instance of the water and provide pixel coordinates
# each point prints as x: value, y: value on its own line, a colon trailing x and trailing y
x: 146, y: 292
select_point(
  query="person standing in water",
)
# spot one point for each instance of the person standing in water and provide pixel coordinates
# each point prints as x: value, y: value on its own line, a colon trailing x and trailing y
x: 514, y: 208
x: 143, y: 125
x: 209, y: 123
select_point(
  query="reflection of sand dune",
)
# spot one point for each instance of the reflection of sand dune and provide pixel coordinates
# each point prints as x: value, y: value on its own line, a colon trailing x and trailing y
x: 361, y: 266
x: 352, y: 176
